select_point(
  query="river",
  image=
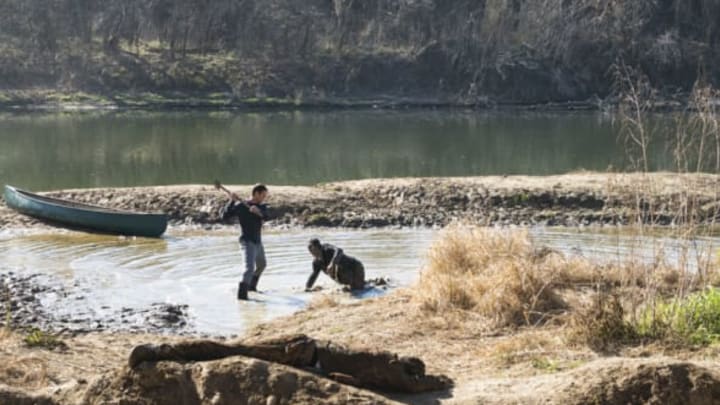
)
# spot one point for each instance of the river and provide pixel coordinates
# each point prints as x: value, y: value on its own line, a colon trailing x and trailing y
x: 43, y: 151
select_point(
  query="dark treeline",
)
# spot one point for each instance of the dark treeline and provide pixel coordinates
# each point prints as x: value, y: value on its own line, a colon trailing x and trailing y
x: 509, y: 50
x: 177, y: 24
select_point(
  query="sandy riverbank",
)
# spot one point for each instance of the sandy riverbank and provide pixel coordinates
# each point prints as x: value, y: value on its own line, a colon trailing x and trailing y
x: 565, y: 200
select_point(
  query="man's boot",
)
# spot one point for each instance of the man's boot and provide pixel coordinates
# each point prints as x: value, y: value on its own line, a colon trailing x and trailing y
x: 254, y: 283
x: 242, y: 291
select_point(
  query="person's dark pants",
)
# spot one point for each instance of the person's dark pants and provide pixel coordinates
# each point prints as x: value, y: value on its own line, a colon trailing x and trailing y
x: 350, y: 271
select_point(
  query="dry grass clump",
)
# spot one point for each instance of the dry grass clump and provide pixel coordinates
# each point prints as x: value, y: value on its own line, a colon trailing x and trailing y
x: 5, y: 333
x: 525, y: 347
x: 659, y: 277
x: 26, y: 371
x: 500, y: 275
x: 603, y: 325
x: 492, y: 272
x: 20, y: 370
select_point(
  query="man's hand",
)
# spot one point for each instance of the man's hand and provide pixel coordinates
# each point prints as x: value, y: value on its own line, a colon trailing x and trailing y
x: 255, y: 210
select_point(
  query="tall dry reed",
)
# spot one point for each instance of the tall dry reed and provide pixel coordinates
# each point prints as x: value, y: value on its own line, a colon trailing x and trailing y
x: 496, y: 273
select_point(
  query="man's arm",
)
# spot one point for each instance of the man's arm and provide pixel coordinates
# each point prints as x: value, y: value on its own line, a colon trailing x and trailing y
x: 231, y: 209
x: 265, y: 212
x: 260, y: 210
x: 313, y: 277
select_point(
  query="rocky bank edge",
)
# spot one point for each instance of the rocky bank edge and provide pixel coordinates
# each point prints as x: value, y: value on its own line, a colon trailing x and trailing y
x: 565, y: 200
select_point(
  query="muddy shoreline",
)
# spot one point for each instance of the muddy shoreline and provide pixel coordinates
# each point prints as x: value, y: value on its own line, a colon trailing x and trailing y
x: 27, y: 304
x: 579, y: 199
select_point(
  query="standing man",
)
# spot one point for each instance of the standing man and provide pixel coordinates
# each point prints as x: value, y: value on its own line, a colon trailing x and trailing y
x: 331, y: 260
x: 251, y: 213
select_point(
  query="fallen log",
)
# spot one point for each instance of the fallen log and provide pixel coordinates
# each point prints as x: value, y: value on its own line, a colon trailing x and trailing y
x: 379, y: 370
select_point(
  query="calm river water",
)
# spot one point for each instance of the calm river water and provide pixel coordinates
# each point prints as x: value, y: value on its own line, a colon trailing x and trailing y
x: 42, y: 151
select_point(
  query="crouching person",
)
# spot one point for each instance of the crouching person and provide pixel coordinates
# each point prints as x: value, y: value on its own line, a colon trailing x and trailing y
x: 331, y: 260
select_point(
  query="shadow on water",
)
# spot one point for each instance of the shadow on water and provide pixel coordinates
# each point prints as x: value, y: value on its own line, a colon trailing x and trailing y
x: 89, y: 239
x: 81, y: 229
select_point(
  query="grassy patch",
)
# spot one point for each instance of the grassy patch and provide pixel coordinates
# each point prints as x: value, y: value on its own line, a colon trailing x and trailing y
x: 74, y: 97
x: 219, y: 96
x: 45, y: 340
x: 522, y: 198
x: 690, y: 321
x: 318, y: 220
x: 545, y: 364
x: 694, y: 320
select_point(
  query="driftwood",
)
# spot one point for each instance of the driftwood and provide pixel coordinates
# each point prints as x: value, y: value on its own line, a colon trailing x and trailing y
x: 366, y: 369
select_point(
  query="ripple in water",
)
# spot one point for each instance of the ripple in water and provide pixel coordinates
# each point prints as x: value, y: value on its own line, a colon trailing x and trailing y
x: 202, y: 270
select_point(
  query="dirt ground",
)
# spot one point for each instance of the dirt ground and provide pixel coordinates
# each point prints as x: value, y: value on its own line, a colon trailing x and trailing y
x: 527, y: 365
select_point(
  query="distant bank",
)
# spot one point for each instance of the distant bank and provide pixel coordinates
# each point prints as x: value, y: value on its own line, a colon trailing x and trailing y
x: 577, y: 199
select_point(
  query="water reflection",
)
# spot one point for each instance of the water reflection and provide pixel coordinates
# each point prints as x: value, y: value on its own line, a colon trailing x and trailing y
x: 52, y: 151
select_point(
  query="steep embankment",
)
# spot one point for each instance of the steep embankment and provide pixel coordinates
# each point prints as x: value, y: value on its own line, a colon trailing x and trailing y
x: 343, y: 52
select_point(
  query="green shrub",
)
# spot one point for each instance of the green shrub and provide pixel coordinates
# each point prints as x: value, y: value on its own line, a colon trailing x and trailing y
x: 693, y: 320
x: 38, y: 338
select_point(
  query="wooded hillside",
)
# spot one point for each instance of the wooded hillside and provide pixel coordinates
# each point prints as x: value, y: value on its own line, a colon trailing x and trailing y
x: 461, y: 51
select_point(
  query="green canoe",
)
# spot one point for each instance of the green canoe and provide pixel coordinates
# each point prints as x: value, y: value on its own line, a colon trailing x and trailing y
x: 83, y: 216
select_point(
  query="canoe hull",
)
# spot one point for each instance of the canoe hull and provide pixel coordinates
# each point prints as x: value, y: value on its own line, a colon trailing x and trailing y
x: 85, y: 216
